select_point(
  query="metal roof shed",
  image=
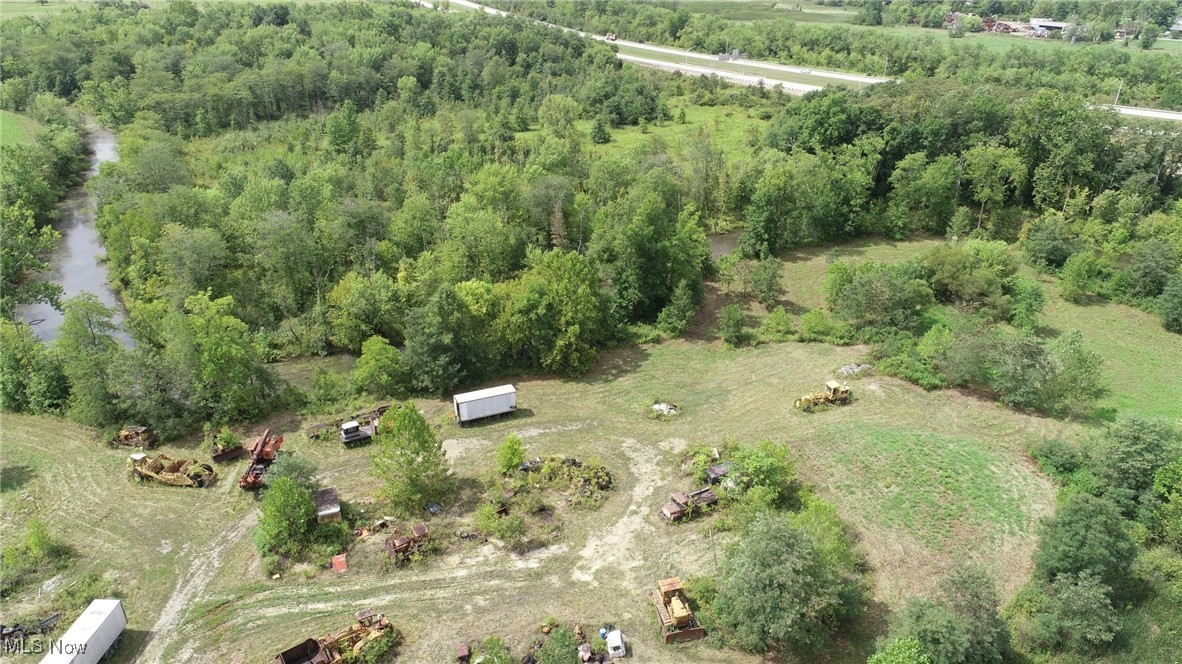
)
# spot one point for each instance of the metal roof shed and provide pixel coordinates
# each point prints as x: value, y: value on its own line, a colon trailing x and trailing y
x: 488, y: 402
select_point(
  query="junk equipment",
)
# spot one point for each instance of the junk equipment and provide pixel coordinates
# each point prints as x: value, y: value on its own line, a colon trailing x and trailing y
x: 134, y: 436
x: 677, y: 620
x: 683, y: 504
x: 490, y: 402
x: 835, y: 393
x: 171, y: 470
x: 333, y: 648
x: 262, y: 455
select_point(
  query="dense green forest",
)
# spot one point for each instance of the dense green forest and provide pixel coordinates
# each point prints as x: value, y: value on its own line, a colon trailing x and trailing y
x: 361, y: 178
x: 1141, y: 77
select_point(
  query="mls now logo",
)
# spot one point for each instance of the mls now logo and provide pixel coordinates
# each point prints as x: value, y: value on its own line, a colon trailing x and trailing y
x: 63, y: 648
x: 20, y: 646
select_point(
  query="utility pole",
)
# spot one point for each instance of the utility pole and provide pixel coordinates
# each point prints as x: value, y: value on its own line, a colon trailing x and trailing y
x: 1120, y: 87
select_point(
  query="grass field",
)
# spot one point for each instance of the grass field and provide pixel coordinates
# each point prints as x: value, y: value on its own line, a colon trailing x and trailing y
x: 17, y: 129
x: 1141, y: 358
x: 189, y: 570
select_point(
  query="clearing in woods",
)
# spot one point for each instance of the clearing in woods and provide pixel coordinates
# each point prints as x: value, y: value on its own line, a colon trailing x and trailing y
x: 890, y: 462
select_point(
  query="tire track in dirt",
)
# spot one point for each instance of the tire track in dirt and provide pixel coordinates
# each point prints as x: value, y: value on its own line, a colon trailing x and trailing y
x: 615, y: 548
x: 189, y: 588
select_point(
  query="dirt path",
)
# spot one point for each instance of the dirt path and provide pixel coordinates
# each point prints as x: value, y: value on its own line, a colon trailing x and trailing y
x: 189, y: 588
x: 616, y: 548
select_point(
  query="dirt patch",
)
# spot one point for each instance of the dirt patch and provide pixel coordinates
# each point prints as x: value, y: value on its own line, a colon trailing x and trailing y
x: 455, y: 448
x: 538, y: 431
x: 615, y: 548
x: 202, y: 570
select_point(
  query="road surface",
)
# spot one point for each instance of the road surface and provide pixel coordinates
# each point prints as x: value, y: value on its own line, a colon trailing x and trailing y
x: 701, y: 67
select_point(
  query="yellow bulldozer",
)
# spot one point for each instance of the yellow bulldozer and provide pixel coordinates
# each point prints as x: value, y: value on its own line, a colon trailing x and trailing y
x: 674, y: 614
x: 835, y: 393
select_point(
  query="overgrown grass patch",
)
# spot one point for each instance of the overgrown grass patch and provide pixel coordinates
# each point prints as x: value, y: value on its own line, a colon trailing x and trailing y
x: 17, y: 129
x: 932, y: 486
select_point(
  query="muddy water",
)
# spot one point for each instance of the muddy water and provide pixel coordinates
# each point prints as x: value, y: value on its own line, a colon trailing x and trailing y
x: 723, y: 243
x: 75, y: 263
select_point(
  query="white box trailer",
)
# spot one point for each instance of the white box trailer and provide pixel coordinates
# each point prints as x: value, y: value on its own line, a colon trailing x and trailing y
x: 484, y: 403
x: 91, y: 635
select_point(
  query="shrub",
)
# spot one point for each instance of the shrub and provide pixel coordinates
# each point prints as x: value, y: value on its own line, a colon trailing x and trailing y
x: 675, y: 318
x: 1056, y: 458
x: 1086, y: 535
x: 1083, y: 613
x: 298, y: 469
x: 559, y: 648
x: 285, y: 524
x: 1169, y: 304
x: 1028, y: 301
x: 962, y: 626
x: 494, y: 651
x: 901, y: 651
x: 765, y: 465
x: 328, y: 390
x: 731, y: 326
x: 409, y: 459
x: 880, y: 296
x: 777, y: 326
x: 1078, y: 279
x: 1129, y: 452
x: 817, y: 326
x: 380, y: 370
x: 510, y: 454
x: 1051, y: 242
x: 1151, y: 265
x: 766, y: 280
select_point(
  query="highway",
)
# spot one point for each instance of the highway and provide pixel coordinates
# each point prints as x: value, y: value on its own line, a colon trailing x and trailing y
x: 749, y: 77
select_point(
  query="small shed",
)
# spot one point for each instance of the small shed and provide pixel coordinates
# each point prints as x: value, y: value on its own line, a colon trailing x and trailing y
x: 615, y: 644
x: 328, y: 506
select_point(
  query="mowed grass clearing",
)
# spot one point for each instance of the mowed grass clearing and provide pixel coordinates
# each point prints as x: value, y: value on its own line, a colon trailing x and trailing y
x: 1142, y: 360
x: 17, y: 129
x: 156, y: 540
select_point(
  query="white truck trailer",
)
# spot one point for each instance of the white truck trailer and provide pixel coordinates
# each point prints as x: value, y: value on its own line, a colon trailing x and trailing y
x: 91, y: 635
x: 484, y: 403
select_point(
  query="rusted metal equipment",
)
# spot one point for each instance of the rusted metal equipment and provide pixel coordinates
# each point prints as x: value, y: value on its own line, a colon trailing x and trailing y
x: 333, y: 648
x: 170, y: 470
x: 677, y: 620
x: 262, y: 455
x: 328, y: 505
x: 226, y: 453
x: 367, y: 421
x: 401, y: 547
x: 134, y: 436
x: 683, y: 504
x: 835, y: 393
x: 18, y: 632
x: 354, y: 432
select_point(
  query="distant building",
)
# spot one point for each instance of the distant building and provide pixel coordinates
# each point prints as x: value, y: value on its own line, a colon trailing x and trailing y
x: 328, y: 506
x: 1048, y: 24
